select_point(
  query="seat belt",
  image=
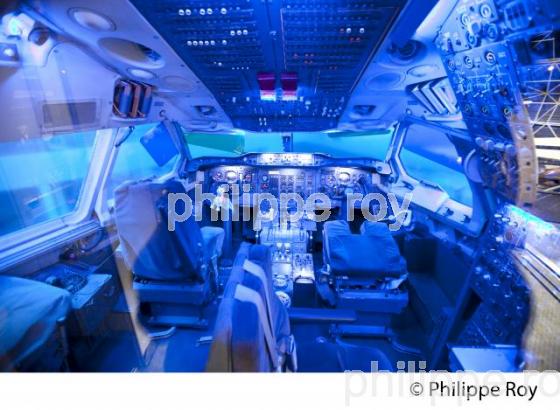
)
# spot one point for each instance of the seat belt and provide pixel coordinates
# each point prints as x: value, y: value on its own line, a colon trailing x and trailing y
x: 245, y: 294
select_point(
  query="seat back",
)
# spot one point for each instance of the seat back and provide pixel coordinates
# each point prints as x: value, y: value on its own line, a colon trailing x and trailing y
x: 331, y: 230
x: 150, y: 250
x: 261, y: 255
x: 252, y: 329
x: 371, y: 254
x: 243, y: 342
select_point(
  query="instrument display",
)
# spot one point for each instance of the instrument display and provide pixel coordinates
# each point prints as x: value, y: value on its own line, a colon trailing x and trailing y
x: 232, y: 175
x: 336, y: 182
x: 286, y: 158
x: 332, y: 181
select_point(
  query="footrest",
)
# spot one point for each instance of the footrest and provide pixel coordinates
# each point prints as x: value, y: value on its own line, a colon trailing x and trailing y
x: 179, y: 321
x: 314, y: 315
x: 361, y: 331
x: 373, y: 301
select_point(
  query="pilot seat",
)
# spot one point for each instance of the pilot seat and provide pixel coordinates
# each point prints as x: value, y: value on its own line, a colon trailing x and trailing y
x: 171, y: 269
x: 366, y: 271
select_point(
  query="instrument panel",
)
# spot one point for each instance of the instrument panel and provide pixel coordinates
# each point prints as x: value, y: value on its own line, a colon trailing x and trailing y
x: 501, y: 297
x: 240, y: 50
x: 288, y: 180
x: 332, y: 181
x: 233, y: 175
x: 336, y: 182
x: 489, y: 49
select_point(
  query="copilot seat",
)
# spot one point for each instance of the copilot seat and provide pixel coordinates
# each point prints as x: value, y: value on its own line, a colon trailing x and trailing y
x: 366, y: 270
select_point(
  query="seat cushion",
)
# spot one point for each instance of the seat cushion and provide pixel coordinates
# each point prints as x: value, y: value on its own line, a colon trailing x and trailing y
x: 29, y: 312
x: 366, y: 256
x: 238, y: 342
x: 335, y: 228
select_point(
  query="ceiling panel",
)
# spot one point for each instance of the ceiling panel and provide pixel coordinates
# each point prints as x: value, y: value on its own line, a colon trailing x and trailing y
x: 321, y: 46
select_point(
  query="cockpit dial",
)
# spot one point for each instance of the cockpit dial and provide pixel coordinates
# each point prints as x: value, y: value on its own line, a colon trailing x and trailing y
x: 344, y: 178
x: 232, y: 177
x: 248, y: 178
x: 218, y: 176
x: 330, y: 180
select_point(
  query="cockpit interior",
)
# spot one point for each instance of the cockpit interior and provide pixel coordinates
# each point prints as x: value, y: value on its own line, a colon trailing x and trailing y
x: 279, y: 186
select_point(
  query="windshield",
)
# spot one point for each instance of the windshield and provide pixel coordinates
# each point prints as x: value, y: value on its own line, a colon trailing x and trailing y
x: 338, y: 145
x: 41, y: 178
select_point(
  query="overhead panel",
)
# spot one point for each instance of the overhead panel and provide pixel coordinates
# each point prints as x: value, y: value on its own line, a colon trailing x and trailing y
x: 501, y: 60
x: 312, y: 51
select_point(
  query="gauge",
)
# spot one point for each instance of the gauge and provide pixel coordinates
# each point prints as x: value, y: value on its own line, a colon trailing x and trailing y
x: 218, y: 176
x: 248, y: 177
x: 344, y: 177
x: 330, y: 180
x: 231, y: 177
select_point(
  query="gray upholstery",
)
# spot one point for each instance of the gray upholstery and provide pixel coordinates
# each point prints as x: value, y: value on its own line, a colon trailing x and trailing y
x: 372, y: 254
x: 239, y: 338
x: 29, y: 312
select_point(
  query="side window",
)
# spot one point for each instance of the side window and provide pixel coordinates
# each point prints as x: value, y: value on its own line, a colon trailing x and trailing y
x: 41, y: 178
x: 430, y: 156
x: 134, y: 163
x: 214, y: 145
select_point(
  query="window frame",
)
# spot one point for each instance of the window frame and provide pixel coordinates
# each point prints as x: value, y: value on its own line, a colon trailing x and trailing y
x: 476, y: 214
x: 41, y: 237
x: 101, y: 206
x: 427, y: 182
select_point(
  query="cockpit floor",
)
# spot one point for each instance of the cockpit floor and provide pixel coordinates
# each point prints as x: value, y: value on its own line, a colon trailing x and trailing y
x: 186, y: 350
